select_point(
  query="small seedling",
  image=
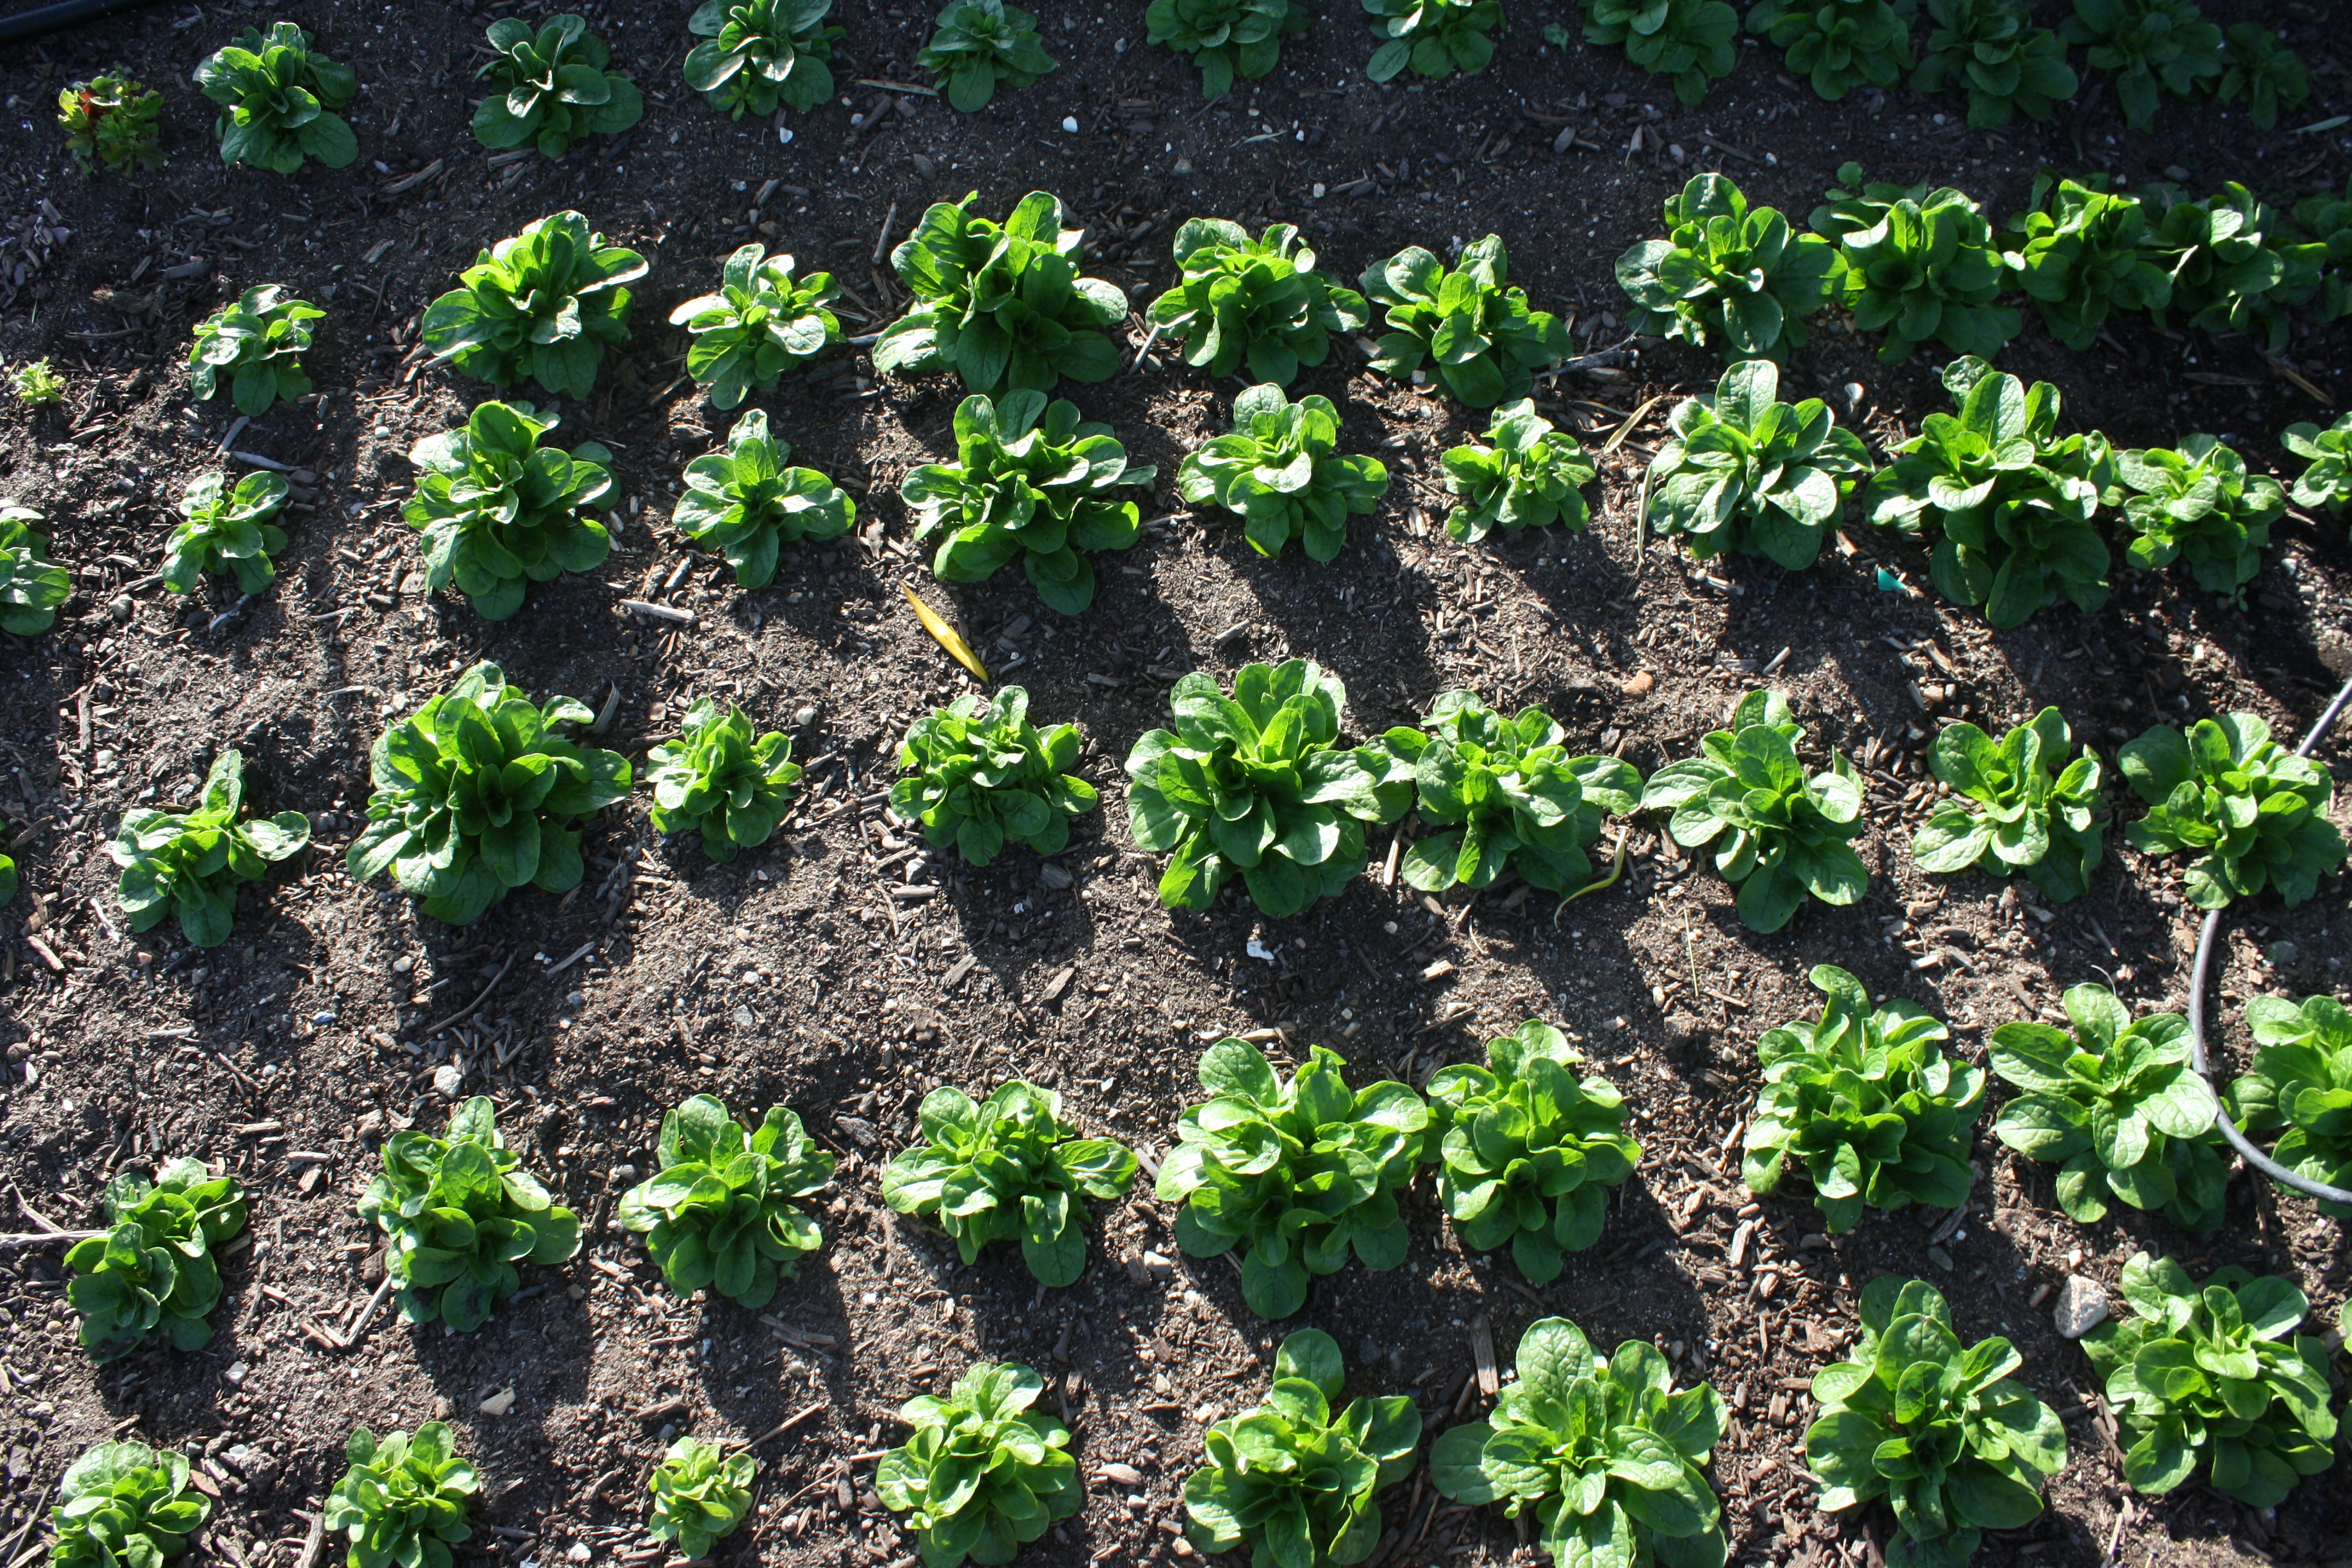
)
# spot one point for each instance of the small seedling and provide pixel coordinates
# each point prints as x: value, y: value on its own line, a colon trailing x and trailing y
x: 278, y: 100
x: 549, y: 87
x: 702, y: 1496
x: 1295, y: 1477
x: 980, y: 776
x: 758, y: 54
x: 191, y: 864
x: 729, y: 1207
x: 716, y: 779
x: 477, y: 795
x: 153, y: 1270
x: 979, y: 43
x: 226, y: 531
x: 457, y: 1214
x: 36, y: 385
x: 1008, y: 1168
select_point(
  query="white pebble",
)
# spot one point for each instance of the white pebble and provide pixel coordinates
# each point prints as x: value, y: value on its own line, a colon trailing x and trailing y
x: 1070, y: 124
x: 2081, y: 1307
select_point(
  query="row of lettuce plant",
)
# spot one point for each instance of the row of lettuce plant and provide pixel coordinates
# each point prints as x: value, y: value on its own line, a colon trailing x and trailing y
x: 1607, y: 1454
x: 1992, y: 51
x: 1926, y: 265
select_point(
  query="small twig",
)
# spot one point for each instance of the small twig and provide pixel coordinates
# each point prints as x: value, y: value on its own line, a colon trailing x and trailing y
x: 780, y: 1429
x: 462, y: 1014
x: 351, y: 1336
x: 34, y: 1516
x: 585, y: 949
x: 234, y: 432
x: 255, y: 459
x: 896, y: 86
x: 36, y: 1215
x: 882, y: 238
x: 1145, y: 351
x: 659, y: 612
x: 35, y: 1237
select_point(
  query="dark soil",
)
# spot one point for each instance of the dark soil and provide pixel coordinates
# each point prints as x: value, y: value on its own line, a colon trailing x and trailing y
x: 796, y: 976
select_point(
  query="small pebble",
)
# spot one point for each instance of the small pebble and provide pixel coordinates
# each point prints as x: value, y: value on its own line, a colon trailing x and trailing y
x: 1159, y: 1267
x: 2081, y: 1307
x: 498, y: 1404
x: 1070, y: 124
x: 445, y: 1079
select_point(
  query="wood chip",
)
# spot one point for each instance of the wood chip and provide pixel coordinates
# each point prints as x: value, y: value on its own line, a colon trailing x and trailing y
x: 1482, y: 1351
x: 1059, y: 983
x: 956, y: 971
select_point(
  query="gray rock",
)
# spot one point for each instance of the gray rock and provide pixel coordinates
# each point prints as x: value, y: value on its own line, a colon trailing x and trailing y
x: 2082, y: 1306
x: 445, y: 1079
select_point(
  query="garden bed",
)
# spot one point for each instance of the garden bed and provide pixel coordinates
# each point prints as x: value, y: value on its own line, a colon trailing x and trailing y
x: 797, y: 975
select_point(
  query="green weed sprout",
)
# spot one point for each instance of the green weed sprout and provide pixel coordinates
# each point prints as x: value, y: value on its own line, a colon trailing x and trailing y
x: 36, y: 385
x: 111, y: 119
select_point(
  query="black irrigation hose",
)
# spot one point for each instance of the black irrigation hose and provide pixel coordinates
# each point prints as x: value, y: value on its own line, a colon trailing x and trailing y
x: 2238, y: 1140
x: 41, y: 20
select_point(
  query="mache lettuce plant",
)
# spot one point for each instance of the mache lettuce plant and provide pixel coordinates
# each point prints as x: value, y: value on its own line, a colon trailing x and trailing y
x: 254, y: 349
x: 227, y: 531
x: 1865, y: 1101
x: 1226, y: 38
x: 2301, y: 1088
x: 2116, y: 1107
x: 701, y: 1495
x: 1504, y: 795
x: 2215, y: 1379
x: 2234, y: 263
x: 1528, y: 477
x: 1257, y: 783
x: 1258, y: 299
x: 1992, y: 51
x: 543, y: 306
x: 978, y: 43
x: 1610, y: 1459
x: 476, y: 796
x: 1468, y: 324
x: 549, y: 87
x: 153, y: 1270
x: 1295, y: 1477
x: 2255, y: 811
x: 979, y: 776
x: 747, y: 502
x: 496, y: 509
x: 716, y: 779
x: 1032, y: 482
x: 125, y: 1505
x: 981, y: 1473
x: 111, y: 119
x: 1433, y: 38
x: 2199, y: 505
x: 1002, y: 305
x: 2010, y: 499
x: 1748, y: 474
x: 2327, y: 219
x: 1780, y: 831
x: 2148, y: 47
x: 1005, y: 1169
x: 190, y: 865
x: 9, y: 880
x: 2083, y: 257
x: 728, y: 1209
x: 1727, y: 277
x: 1693, y: 41
x: 1944, y: 1432
x: 1839, y: 45
x: 763, y: 322
x: 1527, y: 1150
x: 2262, y: 72
x: 1281, y: 472
x: 401, y: 1501
x: 2017, y: 805
x: 1921, y: 266
x: 1294, y: 1174
x: 2327, y: 481
x: 32, y: 585
x: 278, y: 100
x: 457, y: 1214
x: 757, y: 54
